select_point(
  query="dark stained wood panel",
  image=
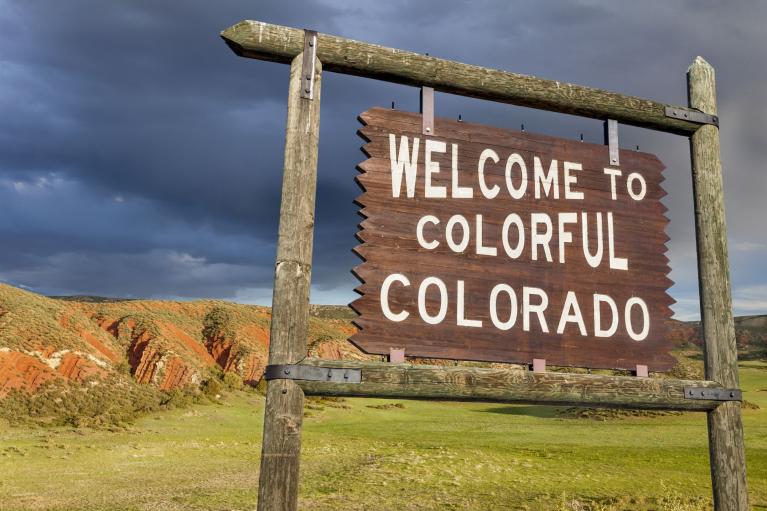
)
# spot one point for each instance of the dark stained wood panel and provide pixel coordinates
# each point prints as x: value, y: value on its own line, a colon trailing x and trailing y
x: 390, y: 246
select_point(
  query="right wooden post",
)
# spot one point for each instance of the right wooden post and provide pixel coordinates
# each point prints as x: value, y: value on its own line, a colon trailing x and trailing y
x: 725, y: 427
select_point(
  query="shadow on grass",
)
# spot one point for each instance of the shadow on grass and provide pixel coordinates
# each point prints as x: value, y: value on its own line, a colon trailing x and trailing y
x: 526, y: 410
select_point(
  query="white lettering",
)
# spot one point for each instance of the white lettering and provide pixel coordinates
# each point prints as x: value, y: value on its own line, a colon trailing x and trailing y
x: 462, y: 321
x: 481, y: 249
x: 549, y: 180
x: 538, y: 309
x: 537, y: 239
x: 598, y: 301
x: 565, y: 236
x: 429, y: 281
x: 571, y: 180
x: 489, y: 193
x: 457, y: 220
x: 428, y: 245
x: 459, y: 192
x: 503, y: 325
x: 516, y: 193
x: 635, y: 176
x: 595, y: 259
x: 645, y: 319
x: 403, y: 164
x: 513, y: 218
x: 432, y: 167
x: 571, y: 313
x: 388, y: 281
x: 616, y: 263
x: 613, y: 173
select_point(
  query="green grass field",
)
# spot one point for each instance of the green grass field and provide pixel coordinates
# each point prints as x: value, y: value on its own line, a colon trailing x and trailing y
x: 361, y: 455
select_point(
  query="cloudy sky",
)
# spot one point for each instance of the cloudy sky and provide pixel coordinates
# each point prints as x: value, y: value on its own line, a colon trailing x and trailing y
x: 139, y: 157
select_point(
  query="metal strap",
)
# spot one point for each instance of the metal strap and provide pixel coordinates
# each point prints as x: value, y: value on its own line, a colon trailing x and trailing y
x: 713, y: 394
x: 611, y: 139
x: 307, y: 65
x: 692, y: 115
x: 312, y: 373
x: 427, y: 110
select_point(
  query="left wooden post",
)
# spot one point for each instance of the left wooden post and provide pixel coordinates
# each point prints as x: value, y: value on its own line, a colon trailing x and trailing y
x: 281, y: 450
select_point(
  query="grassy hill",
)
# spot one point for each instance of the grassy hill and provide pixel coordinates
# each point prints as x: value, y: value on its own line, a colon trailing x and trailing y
x: 109, y: 360
x: 77, y: 350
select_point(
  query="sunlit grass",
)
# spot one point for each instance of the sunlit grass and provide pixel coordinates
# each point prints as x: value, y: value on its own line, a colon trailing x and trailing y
x: 358, y: 455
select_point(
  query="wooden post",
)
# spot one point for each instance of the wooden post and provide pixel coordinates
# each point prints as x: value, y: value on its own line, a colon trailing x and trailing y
x: 725, y: 428
x: 281, y: 451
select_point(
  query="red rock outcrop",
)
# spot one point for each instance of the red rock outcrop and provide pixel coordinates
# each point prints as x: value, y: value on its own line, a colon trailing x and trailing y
x: 231, y: 356
x: 176, y: 373
x: 29, y: 370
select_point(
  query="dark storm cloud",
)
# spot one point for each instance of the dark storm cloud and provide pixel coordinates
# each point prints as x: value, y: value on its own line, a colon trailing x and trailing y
x: 139, y: 156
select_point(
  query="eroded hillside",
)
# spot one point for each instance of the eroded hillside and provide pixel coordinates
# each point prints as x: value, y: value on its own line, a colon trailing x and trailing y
x: 86, y: 357
x: 163, y: 343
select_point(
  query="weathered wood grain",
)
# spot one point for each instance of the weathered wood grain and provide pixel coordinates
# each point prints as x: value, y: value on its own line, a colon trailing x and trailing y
x: 725, y: 427
x: 389, y: 245
x: 510, y: 386
x: 283, y: 413
x: 264, y: 41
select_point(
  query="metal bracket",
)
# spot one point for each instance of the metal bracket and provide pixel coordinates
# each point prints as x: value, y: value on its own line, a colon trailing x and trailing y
x: 713, y: 394
x: 689, y: 114
x: 307, y: 65
x: 397, y: 355
x: 427, y: 110
x: 611, y: 139
x: 312, y: 373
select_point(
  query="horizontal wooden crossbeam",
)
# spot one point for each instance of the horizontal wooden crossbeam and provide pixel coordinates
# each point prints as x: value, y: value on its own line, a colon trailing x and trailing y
x: 510, y: 386
x: 264, y: 41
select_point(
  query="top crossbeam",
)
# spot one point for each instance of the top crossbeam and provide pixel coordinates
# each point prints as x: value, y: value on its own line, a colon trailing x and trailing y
x: 276, y: 43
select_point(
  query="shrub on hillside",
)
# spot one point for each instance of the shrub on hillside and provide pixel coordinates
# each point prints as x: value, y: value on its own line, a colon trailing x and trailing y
x: 212, y: 388
x: 94, y: 403
x: 233, y: 381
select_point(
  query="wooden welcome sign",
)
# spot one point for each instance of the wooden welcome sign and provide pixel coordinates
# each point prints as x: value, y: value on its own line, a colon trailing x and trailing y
x: 489, y: 244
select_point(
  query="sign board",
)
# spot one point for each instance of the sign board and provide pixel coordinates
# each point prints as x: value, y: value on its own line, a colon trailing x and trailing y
x: 490, y: 244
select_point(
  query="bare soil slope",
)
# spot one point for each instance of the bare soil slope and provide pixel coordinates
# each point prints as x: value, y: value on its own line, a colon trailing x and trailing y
x: 166, y: 344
